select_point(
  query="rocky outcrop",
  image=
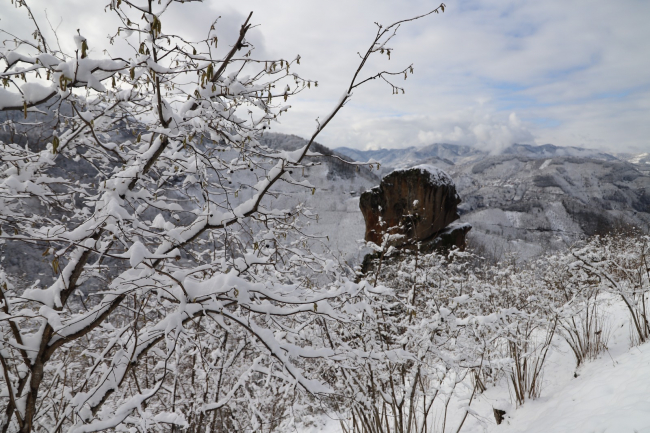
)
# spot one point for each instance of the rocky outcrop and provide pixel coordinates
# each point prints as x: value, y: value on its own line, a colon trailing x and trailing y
x: 417, y: 205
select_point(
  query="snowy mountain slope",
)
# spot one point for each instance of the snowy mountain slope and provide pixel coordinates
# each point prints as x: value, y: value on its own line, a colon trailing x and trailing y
x: 640, y: 160
x: 338, y: 185
x: 551, y: 151
x: 441, y: 155
x: 534, y: 197
x: 524, y: 204
x: 332, y: 158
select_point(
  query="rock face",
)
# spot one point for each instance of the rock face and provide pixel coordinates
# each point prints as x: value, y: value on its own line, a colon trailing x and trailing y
x: 418, y: 203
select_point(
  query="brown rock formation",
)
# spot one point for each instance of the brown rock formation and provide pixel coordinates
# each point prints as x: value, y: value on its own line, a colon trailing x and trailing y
x: 417, y: 203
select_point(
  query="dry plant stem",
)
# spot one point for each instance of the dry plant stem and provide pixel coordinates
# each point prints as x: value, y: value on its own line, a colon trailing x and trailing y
x: 526, y: 375
x: 476, y: 387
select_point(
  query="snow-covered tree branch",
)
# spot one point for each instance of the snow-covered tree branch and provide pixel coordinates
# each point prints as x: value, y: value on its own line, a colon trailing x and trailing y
x: 179, y: 296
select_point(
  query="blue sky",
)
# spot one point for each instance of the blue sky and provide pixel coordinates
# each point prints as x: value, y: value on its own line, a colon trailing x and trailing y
x: 488, y: 73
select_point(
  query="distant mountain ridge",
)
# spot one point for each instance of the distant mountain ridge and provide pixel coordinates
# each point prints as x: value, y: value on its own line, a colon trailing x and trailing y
x: 446, y: 154
x: 451, y: 154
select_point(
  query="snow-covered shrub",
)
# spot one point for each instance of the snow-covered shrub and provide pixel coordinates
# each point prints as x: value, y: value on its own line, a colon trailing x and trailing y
x: 581, y: 321
x: 417, y: 352
x: 621, y: 265
x: 452, y: 327
x: 526, y: 309
x: 180, y: 298
x: 446, y: 333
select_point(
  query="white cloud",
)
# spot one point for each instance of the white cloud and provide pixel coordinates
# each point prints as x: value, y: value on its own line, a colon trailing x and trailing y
x: 473, y: 127
x: 575, y: 73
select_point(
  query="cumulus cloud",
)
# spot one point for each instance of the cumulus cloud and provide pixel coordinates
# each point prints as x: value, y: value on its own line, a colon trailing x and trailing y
x: 483, y: 131
x: 477, y: 127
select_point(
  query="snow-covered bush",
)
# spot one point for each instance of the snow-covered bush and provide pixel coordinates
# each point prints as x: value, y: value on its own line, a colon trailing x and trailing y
x: 180, y: 298
x: 418, y: 342
x: 530, y: 323
x: 452, y: 327
x: 581, y: 322
x: 620, y: 263
x: 444, y: 335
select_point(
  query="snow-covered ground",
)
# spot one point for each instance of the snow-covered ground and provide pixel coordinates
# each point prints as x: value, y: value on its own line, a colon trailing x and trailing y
x: 610, y: 394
